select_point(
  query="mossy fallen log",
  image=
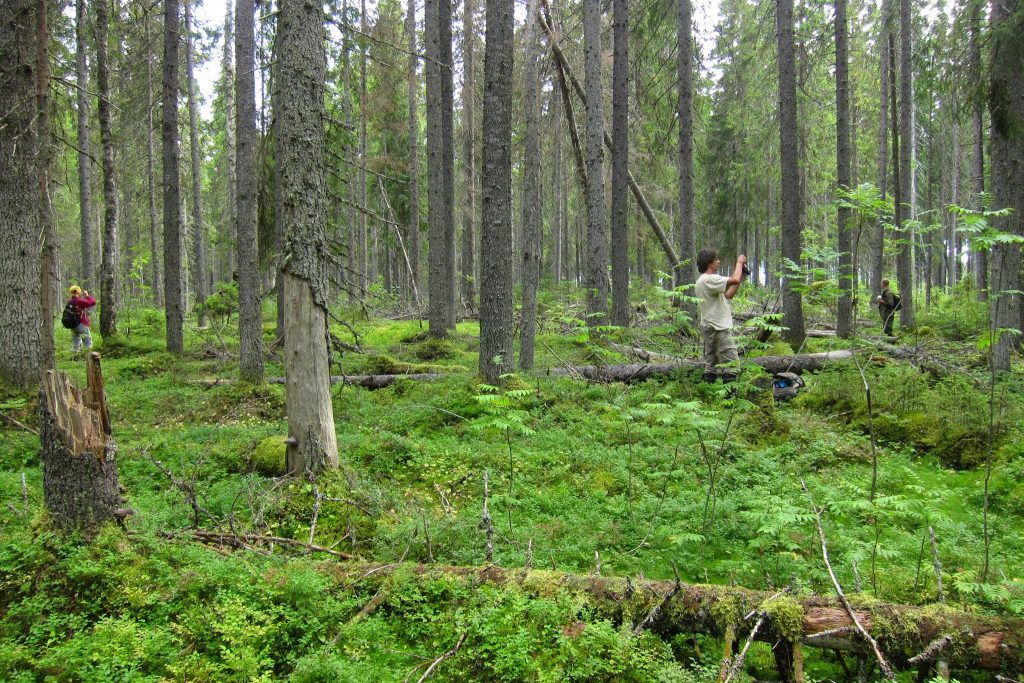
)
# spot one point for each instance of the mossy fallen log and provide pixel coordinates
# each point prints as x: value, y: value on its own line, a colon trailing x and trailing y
x: 975, y: 641
x: 636, y: 372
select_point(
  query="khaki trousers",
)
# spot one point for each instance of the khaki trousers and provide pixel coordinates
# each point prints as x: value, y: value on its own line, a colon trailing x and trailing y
x: 719, y: 347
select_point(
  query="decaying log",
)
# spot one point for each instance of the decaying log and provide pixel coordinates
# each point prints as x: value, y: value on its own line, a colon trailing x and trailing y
x: 80, y: 481
x: 902, y: 631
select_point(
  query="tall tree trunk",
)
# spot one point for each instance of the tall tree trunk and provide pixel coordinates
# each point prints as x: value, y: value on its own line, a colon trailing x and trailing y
x: 977, y: 129
x: 844, y: 320
x: 156, y: 271
x: 414, y: 153
x: 878, y: 243
x: 299, y: 153
x: 199, y: 267
x: 597, y: 244
x: 531, y: 205
x: 440, y: 167
x: 366, y: 259
x: 88, y: 272
x: 684, y: 271
x: 174, y: 305
x: 20, y: 320
x: 558, y: 190
x: 250, y: 318
x: 229, y: 223
x: 904, y: 256
x: 110, y: 261
x: 1006, y: 109
x: 496, y: 216
x: 792, y: 197
x: 468, y: 155
x: 48, y: 265
x: 620, y: 165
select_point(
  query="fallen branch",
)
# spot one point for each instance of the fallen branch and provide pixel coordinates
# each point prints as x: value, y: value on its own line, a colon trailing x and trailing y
x: 238, y: 540
x: 446, y: 655
x: 932, y: 651
x: 18, y: 424
x: 886, y: 669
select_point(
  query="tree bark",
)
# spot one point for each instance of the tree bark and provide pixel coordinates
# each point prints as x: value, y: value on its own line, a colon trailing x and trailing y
x: 597, y: 238
x: 156, y: 271
x: 440, y: 167
x: 110, y: 261
x: 1006, y: 109
x: 792, y: 191
x: 980, y: 256
x: 229, y: 224
x: 904, y: 254
x: 878, y: 244
x: 80, y: 481
x: 299, y: 154
x: 620, y: 165
x: 496, y: 355
x: 366, y: 259
x: 199, y: 266
x: 468, y: 155
x: 174, y: 307
x: 20, y: 357
x: 88, y: 271
x: 531, y: 203
x: 414, y: 154
x: 250, y: 318
x: 48, y: 266
x: 844, y: 319
x: 684, y: 271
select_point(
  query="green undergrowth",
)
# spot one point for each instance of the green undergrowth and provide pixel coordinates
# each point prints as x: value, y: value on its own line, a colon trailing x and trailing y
x: 650, y: 476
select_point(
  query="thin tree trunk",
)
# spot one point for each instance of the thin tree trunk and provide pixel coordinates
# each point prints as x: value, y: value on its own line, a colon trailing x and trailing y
x: 440, y: 168
x: 597, y: 237
x: 1006, y: 109
x: 110, y: 261
x: 230, y: 237
x: 174, y: 307
x: 366, y: 259
x: 199, y: 266
x: 977, y: 129
x: 48, y: 265
x: 620, y: 165
x: 299, y: 153
x: 558, y: 190
x: 250, y: 319
x: 684, y: 273
x: 531, y: 204
x: 88, y: 272
x: 792, y: 197
x: 468, y: 155
x: 156, y: 271
x: 496, y: 216
x: 904, y: 257
x: 414, y: 152
x: 844, y: 320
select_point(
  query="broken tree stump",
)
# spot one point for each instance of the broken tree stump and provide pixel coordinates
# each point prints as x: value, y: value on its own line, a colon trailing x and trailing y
x: 80, y: 481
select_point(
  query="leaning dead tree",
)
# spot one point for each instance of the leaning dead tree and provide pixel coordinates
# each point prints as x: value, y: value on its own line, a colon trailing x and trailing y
x: 79, y: 471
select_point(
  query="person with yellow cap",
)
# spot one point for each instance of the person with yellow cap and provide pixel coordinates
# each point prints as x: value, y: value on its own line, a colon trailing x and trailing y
x: 76, y: 318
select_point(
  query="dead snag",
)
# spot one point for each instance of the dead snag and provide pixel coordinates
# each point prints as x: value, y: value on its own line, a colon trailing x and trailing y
x: 79, y: 471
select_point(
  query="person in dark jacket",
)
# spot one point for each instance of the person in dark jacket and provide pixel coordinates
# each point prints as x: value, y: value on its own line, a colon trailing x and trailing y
x: 886, y: 308
x: 82, y: 301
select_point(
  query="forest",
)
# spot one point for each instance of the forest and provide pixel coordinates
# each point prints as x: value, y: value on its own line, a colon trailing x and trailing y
x: 383, y: 341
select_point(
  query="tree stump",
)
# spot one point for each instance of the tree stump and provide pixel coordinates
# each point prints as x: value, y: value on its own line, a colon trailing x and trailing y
x: 80, y: 482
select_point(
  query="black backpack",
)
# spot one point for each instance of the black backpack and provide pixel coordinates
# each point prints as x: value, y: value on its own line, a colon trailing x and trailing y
x: 897, y: 302
x: 71, y: 317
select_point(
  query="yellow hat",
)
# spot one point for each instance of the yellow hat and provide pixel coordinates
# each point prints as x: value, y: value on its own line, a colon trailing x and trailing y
x: 75, y: 290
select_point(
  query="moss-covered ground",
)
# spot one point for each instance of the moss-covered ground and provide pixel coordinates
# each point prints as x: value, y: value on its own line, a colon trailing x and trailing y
x: 669, y: 471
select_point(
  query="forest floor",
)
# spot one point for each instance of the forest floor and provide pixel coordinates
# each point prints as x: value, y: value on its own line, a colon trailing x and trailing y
x: 637, y: 477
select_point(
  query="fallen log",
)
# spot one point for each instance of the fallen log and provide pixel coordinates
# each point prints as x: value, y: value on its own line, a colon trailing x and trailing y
x: 902, y: 631
x: 637, y: 372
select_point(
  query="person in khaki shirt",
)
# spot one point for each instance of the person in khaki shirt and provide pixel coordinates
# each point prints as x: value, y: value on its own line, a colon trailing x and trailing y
x: 714, y: 292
